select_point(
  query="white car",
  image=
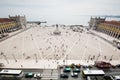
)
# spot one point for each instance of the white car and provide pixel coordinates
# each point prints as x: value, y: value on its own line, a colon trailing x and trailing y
x: 118, y: 46
x: 74, y: 74
x: 37, y: 75
x: 116, y: 77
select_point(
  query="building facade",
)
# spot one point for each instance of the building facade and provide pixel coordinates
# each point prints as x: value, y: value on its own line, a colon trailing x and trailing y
x: 6, y: 25
x: 21, y: 20
x: 11, y: 24
x: 95, y: 21
x: 111, y: 28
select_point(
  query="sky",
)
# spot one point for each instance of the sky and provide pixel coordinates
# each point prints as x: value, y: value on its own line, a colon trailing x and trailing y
x: 59, y: 11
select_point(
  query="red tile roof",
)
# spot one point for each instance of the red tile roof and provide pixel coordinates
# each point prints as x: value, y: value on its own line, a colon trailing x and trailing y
x: 2, y: 20
x: 117, y: 23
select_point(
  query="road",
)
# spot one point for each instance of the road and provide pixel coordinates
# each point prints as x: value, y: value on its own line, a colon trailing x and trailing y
x: 46, y: 74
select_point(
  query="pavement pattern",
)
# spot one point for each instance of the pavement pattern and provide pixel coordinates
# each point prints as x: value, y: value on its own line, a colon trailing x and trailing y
x: 38, y: 47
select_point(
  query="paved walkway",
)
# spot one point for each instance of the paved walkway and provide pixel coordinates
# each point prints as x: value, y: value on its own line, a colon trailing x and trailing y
x: 39, y: 48
x: 13, y: 34
x: 104, y: 36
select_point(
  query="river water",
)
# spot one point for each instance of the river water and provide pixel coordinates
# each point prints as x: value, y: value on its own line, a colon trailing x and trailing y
x: 75, y: 19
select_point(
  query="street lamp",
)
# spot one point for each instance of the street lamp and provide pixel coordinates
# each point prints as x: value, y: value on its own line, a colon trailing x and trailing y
x: 4, y: 57
x: 36, y: 58
x: 66, y: 59
x: 14, y: 58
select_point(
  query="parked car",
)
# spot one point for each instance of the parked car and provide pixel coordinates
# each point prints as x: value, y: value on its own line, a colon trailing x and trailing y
x: 37, y: 75
x: 74, y: 74
x: 102, y: 64
x: 118, y: 45
x: 67, y: 70
x: 67, y: 66
x: 63, y: 75
x: 29, y: 75
x: 76, y: 70
x: 116, y: 77
x: 118, y: 65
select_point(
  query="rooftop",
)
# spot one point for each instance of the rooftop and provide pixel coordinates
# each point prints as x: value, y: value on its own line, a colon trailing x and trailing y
x: 117, y: 23
x: 2, y: 20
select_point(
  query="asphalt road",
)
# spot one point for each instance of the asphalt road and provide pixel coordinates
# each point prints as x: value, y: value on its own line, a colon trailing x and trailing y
x: 49, y: 74
x: 46, y: 74
x: 108, y: 72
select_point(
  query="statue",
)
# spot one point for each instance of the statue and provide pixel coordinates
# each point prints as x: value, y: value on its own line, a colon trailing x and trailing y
x: 57, y: 32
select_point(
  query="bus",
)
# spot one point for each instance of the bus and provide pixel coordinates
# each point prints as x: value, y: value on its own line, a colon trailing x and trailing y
x: 86, y: 73
x: 7, y: 74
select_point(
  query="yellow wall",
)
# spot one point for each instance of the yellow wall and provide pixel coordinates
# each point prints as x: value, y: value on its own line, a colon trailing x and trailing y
x: 8, y: 25
x: 107, y: 27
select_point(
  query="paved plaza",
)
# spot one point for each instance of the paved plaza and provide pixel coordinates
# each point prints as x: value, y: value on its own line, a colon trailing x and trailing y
x: 38, y: 47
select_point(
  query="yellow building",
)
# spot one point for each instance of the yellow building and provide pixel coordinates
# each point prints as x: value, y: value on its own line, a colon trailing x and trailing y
x: 95, y: 21
x: 11, y: 24
x: 111, y: 28
x: 7, y: 25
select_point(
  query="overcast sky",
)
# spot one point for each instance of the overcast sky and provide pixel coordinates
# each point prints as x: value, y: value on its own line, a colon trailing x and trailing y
x: 59, y: 11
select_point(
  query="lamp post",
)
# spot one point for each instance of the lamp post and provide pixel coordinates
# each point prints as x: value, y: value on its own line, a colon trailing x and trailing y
x: 64, y: 62
x: 4, y: 57
x: 14, y: 58
x: 88, y: 58
x: 66, y: 59
x: 36, y: 58
x: 98, y: 56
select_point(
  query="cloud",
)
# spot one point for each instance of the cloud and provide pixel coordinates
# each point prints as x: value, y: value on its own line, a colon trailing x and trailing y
x: 58, y: 9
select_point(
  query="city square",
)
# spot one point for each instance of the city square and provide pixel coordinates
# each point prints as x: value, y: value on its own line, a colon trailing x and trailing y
x: 60, y: 40
x: 43, y: 49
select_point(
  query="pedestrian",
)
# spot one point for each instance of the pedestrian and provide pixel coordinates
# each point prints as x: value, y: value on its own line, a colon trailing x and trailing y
x: 94, y: 56
x: 24, y: 54
x: 87, y: 61
x: 51, y: 71
x: 91, y: 59
x: 105, y: 57
x: 110, y: 59
x: 21, y: 65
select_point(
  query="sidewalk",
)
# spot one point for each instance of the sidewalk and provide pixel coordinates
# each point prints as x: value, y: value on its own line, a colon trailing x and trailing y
x: 13, y: 34
x: 45, y: 64
x: 105, y: 36
x: 78, y: 51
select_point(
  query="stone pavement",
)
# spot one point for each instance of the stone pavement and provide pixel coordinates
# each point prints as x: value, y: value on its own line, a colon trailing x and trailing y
x: 47, y: 51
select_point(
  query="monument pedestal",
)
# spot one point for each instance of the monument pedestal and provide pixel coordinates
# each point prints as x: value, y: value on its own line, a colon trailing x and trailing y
x: 57, y: 32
